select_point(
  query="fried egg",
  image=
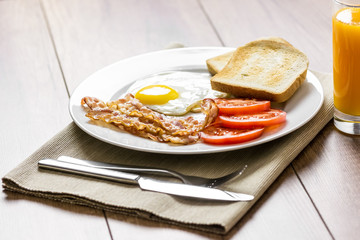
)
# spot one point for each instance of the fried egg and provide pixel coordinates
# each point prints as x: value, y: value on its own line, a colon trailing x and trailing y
x: 174, y: 93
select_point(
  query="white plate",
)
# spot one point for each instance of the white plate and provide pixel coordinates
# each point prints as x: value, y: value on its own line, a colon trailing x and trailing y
x: 112, y: 81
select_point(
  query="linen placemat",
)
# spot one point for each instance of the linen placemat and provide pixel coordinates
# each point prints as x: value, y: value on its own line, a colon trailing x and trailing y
x: 265, y: 163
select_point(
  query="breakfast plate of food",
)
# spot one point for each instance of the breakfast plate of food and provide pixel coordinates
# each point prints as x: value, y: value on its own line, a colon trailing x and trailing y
x: 199, y: 100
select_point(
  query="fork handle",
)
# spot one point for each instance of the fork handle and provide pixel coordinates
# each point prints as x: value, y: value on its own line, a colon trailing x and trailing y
x: 135, y: 169
x: 89, y: 171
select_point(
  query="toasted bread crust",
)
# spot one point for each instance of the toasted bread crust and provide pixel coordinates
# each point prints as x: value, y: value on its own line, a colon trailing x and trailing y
x: 265, y: 69
x: 260, y: 94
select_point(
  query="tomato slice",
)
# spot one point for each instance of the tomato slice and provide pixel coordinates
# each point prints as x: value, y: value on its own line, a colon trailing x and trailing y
x: 216, y: 134
x: 241, y: 105
x: 262, y: 119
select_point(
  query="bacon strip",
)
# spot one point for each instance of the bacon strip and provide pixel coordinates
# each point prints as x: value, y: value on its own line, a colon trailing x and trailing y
x: 132, y: 116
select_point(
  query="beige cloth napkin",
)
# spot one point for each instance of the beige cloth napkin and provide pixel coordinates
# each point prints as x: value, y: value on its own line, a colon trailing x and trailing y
x: 265, y: 164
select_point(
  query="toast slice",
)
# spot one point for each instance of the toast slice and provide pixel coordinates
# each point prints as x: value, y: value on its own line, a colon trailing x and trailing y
x: 216, y: 64
x: 264, y: 69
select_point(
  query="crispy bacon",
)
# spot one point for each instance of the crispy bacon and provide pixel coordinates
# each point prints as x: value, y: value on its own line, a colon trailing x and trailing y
x: 131, y: 115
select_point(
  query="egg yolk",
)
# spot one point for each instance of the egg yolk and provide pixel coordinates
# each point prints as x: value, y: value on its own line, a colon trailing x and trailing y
x: 156, y: 94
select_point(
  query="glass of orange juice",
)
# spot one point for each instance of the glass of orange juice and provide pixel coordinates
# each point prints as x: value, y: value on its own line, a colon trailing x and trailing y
x: 346, y: 65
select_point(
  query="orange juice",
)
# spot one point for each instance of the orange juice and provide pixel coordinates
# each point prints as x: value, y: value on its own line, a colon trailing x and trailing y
x: 346, y: 62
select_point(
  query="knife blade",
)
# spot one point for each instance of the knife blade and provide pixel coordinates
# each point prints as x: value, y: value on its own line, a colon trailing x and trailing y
x: 146, y: 183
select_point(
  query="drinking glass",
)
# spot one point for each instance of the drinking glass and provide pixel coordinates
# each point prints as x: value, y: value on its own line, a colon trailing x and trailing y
x: 346, y: 65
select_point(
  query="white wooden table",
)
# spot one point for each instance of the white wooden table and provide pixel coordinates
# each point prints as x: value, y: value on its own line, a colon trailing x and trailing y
x: 47, y: 47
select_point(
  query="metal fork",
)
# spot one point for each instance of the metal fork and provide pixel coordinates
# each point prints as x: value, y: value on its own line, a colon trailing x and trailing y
x: 193, y: 180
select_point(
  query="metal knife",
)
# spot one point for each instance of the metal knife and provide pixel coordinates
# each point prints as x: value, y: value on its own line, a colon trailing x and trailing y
x: 146, y: 183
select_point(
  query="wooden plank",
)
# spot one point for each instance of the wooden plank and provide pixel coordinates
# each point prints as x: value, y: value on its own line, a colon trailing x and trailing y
x: 104, y: 32
x: 34, y: 108
x: 330, y: 170
x: 288, y: 218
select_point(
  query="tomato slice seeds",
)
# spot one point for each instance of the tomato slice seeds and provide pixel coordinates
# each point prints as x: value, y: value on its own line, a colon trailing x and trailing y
x: 241, y: 105
x: 221, y: 135
x: 262, y: 119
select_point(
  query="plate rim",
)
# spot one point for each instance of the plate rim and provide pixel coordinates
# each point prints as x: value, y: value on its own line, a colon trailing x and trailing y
x: 222, y: 148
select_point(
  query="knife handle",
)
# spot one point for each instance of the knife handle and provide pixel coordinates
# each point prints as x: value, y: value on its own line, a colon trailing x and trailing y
x: 89, y: 171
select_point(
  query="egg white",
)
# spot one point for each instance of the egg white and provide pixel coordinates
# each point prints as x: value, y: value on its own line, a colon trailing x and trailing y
x: 192, y: 87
